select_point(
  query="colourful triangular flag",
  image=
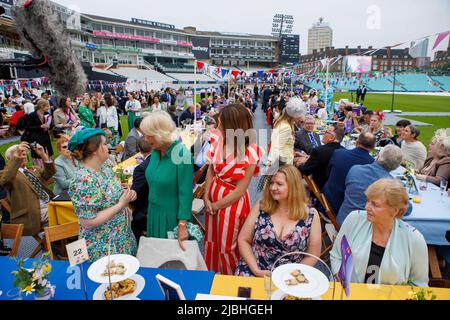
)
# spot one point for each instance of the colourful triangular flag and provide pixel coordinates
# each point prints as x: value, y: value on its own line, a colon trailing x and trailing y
x: 200, y: 65
x: 235, y: 73
x: 440, y: 38
x: 224, y: 72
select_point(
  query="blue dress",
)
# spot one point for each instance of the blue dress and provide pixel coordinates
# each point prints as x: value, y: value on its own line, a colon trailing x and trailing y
x: 267, y: 247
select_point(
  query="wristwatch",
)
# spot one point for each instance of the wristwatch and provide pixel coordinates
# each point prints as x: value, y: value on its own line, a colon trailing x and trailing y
x: 182, y: 224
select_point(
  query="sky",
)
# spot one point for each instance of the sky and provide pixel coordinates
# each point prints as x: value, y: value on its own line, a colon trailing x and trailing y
x: 378, y: 23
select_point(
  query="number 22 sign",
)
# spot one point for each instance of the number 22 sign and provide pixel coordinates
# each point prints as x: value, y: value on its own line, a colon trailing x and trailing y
x: 77, y: 252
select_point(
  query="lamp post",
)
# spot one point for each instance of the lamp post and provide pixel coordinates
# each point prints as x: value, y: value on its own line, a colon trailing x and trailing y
x: 393, y: 89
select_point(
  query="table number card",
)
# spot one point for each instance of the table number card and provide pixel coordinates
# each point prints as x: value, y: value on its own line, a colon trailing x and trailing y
x: 77, y: 252
x: 345, y: 272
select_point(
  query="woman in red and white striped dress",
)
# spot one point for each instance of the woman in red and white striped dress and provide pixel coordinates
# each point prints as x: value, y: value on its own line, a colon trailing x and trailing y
x: 234, y: 160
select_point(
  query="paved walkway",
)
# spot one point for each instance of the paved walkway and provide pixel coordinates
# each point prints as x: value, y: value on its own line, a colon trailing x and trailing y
x: 426, y: 114
x: 259, y: 122
x: 8, y: 140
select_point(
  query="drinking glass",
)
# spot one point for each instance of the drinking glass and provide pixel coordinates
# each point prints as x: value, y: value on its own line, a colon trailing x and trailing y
x: 14, y: 294
x: 268, y: 285
x: 423, y: 185
x: 443, y: 185
x: 416, y: 198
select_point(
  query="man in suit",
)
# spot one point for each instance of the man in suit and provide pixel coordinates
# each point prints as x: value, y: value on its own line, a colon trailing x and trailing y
x: 173, y: 97
x: 358, y: 94
x: 131, y: 142
x: 187, y: 114
x: 306, y: 140
x: 256, y: 92
x: 166, y: 97
x: 266, y: 94
x: 360, y: 177
x: 317, y: 164
x: 363, y: 93
x: 140, y: 185
x: 27, y: 191
x: 340, y: 164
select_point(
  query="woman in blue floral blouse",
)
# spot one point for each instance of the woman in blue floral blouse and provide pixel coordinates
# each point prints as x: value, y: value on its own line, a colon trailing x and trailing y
x: 100, y: 202
x: 282, y: 223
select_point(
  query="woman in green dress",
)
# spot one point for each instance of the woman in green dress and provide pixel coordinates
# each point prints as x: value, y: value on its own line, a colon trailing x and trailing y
x: 100, y: 202
x: 85, y: 113
x: 169, y: 176
x: 132, y: 107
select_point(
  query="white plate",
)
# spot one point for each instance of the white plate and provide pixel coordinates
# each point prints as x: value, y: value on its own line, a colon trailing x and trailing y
x: 317, y: 286
x: 98, y: 267
x: 140, y: 284
x: 279, y: 295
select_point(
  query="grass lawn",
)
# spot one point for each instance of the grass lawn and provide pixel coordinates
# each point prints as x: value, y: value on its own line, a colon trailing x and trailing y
x: 406, y: 103
x: 427, y: 132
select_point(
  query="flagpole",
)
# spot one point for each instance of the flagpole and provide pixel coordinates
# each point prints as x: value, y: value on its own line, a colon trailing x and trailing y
x: 292, y: 83
x: 229, y: 84
x: 326, y: 85
x: 195, y: 93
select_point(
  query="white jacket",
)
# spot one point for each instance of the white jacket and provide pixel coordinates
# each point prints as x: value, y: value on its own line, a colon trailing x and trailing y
x: 108, y: 117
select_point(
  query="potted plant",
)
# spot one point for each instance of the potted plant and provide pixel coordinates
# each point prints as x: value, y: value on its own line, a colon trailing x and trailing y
x: 35, y: 279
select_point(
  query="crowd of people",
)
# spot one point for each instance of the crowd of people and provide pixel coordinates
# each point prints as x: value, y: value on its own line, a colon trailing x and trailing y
x: 239, y: 239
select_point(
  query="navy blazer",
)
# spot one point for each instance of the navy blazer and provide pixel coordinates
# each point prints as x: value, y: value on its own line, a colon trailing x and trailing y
x: 186, y: 115
x: 302, y: 141
x: 340, y: 164
x: 140, y: 185
x: 317, y: 164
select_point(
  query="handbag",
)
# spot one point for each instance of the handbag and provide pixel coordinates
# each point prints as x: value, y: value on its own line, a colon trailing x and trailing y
x: 194, y: 231
x: 266, y: 178
x: 4, y: 250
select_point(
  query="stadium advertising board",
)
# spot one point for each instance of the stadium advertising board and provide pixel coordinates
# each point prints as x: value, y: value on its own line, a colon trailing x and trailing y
x: 358, y: 64
x: 200, y: 47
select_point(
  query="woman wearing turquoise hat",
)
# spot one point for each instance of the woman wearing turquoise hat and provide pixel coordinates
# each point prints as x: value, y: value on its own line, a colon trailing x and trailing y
x: 100, y: 202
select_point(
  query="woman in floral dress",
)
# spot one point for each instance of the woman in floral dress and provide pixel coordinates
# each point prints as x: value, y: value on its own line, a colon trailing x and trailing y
x: 100, y: 202
x: 281, y: 224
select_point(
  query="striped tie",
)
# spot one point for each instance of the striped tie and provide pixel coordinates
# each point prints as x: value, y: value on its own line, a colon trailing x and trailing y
x: 37, y: 184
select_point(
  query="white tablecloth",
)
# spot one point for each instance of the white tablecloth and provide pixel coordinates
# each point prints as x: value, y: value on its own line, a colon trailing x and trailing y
x: 432, y: 216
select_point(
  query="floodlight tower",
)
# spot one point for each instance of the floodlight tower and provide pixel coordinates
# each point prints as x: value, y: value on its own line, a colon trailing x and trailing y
x: 282, y: 24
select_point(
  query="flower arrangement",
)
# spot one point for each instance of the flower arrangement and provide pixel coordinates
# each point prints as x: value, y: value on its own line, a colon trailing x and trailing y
x: 35, y: 279
x: 422, y: 294
x: 409, y: 168
x: 408, y: 175
x: 120, y: 173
